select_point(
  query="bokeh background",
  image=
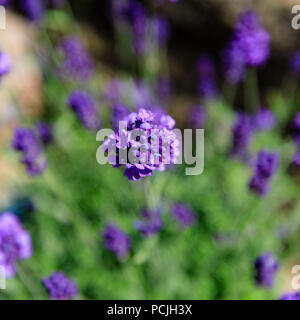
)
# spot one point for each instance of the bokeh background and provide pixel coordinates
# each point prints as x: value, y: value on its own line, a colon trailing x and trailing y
x: 67, y: 207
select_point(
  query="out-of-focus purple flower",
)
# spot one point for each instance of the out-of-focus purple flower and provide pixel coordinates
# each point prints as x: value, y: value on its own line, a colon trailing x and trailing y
x: 297, y: 160
x: 160, y: 29
x: 119, y: 112
x: 146, y: 145
x: 266, y: 267
x: 259, y: 185
x: 163, y: 89
x: 117, y: 241
x: 25, y: 141
x: 85, y: 108
x: 264, y: 120
x: 184, y: 215
x: 15, y: 243
x: 198, y: 116
x: 291, y: 296
x: 45, y: 133
x: 206, y: 77
x: 253, y: 39
x: 151, y: 223
x: 266, y: 166
x: 295, y: 63
x: 242, y: 135
x: 5, y: 3
x: 5, y: 64
x: 249, y: 46
x: 114, y: 90
x: 141, y: 95
x: 267, y: 163
x: 234, y: 63
x: 77, y: 63
x: 60, y: 287
x: 34, y: 9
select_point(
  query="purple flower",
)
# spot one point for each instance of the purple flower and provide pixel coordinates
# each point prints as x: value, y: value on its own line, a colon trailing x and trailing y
x: 259, y: 185
x: 151, y: 223
x: 5, y: 64
x: 45, y: 133
x: 147, y: 144
x: 117, y: 241
x: 206, y: 77
x: 60, y: 287
x: 184, y: 215
x: 198, y: 116
x: 264, y: 120
x: 253, y: 39
x: 297, y: 160
x: 160, y: 29
x: 291, y: 296
x: 163, y: 89
x: 296, y: 129
x: 119, y: 112
x: 266, y: 267
x: 242, y: 135
x: 295, y: 63
x: 25, y: 141
x: 77, y: 63
x: 15, y: 243
x: 266, y: 166
x: 85, y: 108
x: 5, y: 2
x: 234, y: 62
x: 249, y: 46
x: 33, y: 8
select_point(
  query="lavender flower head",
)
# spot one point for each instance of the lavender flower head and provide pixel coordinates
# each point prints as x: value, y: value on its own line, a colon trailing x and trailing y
x: 85, y: 108
x: 15, y: 243
x: 266, y: 267
x: 60, y: 287
x: 266, y: 166
x: 117, y: 241
x: 249, y: 46
x: 150, y: 224
x: 297, y: 160
x: 5, y: 64
x: 242, y: 135
x: 119, y: 112
x: 264, y: 120
x: 160, y: 29
x: 34, y: 9
x: 25, y: 141
x: 45, y: 133
x: 77, y: 63
x: 145, y: 145
x: 253, y: 39
x: 198, y: 116
x: 184, y: 215
x: 206, y: 77
x: 291, y: 296
x: 295, y: 63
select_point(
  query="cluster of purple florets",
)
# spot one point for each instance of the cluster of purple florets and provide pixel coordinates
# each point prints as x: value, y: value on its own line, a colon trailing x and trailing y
x: 266, y: 267
x: 30, y: 144
x: 250, y: 46
x: 85, y: 108
x: 60, y: 287
x: 77, y: 63
x: 149, y: 137
x: 266, y: 166
x: 15, y: 243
